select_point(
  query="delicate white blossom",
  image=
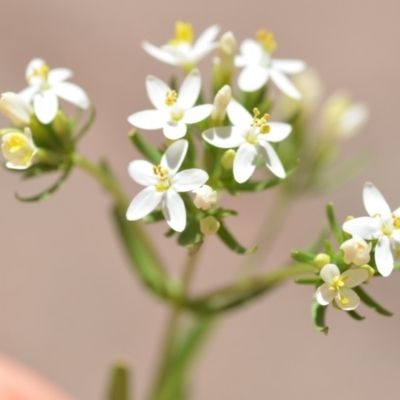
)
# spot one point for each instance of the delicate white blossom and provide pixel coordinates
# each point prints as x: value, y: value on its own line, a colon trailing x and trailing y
x: 46, y: 85
x: 205, y: 198
x: 163, y: 184
x: 252, y: 135
x: 181, y: 51
x: 16, y: 109
x: 173, y: 110
x: 18, y: 149
x: 356, y: 250
x: 259, y: 67
x: 338, y: 286
x: 381, y: 225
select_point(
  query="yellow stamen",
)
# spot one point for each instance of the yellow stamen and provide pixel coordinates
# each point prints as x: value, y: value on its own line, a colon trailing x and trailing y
x: 267, y: 40
x: 164, y: 183
x: 338, y: 282
x: 16, y: 143
x: 183, y: 34
x: 396, y: 221
x: 171, y: 98
x: 42, y: 72
x: 260, y: 122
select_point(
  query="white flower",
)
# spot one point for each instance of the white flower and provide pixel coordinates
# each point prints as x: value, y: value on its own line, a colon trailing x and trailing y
x: 259, y: 66
x: 16, y: 109
x: 163, y: 182
x: 181, y: 51
x: 382, y: 225
x: 205, y: 198
x: 173, y: 110
x: 356, y: 250
x: 18, y: 149
x: 252, y: 135
x: 338, y: 286
x: 46, y: 85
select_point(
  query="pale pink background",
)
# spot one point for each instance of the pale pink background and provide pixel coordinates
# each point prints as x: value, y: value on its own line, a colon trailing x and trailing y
x: 68, y: 303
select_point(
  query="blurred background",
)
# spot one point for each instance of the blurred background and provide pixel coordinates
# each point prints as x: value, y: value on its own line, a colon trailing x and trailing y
x: 69, y: 305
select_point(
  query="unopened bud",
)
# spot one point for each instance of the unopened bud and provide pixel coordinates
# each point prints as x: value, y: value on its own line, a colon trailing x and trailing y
x: 209, y: 225
x: 321, y: 260
x: 221, y: 101
x: 205, y: 198
x: 227, y: 48
x: 370, y: 270
x: 16, y: 109
x: 60, y: 124
x: 224, y: 64
x: 227, y: 159
x: 18, y: 149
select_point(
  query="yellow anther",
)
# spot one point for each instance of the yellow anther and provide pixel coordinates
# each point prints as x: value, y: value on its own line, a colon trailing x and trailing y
x: 16, y: 143
x: 396, y: 221
x: 183, y: 34
x: 164, y: 182
x: 260, y: 123
x: 344, y: 300
x: 42, y: 72
x: 386, y: 230
x: 171, y: 98
x: 338, y: 283
x: 267, y: 40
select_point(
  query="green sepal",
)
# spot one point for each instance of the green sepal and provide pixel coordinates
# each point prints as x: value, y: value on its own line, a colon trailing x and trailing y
x: 318, y: 317
x: 329, y: 249
x: 142, y: 262
x: 191, y: 235
x: 222, y: 213
x: 50, y: 191
x: 355, y: 315
x: 370, y: 302
x: 232, y: 243
x: 119, y: 383
x: 87, y: 124
x: 303, y: 256
x: 146, y: 149
x: 337, y: 232
x: 308, y: 280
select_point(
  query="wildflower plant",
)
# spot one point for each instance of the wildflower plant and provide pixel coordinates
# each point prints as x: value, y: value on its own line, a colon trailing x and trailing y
x: 211, y: 145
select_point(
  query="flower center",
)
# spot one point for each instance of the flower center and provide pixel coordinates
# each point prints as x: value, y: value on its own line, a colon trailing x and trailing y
x: 387, y: 229
x: 15, y: 143
x: 183, y: 34
x: 171, y: 98
x: 260, y: 123
x: 40, y: 72
x: 164, y: 183
x: 337, y: 285
x: 267, y: 40
x: 251, y: 137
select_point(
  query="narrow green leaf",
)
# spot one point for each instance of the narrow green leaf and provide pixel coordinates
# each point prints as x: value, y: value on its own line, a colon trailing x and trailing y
x: 303, y: 256
x: 370, y: 302
x: 146, y: 149
x: 355, y: 315
x: 48, y: 192
x: 308, y: 280
x: 37, y: 170
x: 87, y: 125
x: 318, y: 317
x: 337, y: 232
x: 223, y: 213
x: 119, y: 383
x: 232, y: 243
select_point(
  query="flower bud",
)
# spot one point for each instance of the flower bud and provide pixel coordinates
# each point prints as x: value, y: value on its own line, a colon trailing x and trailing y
x: 370, y: 270
x: 16, y: 109
x: 221, y: 101
x: 321, y: 260
x: 205, y: 198
x: 227, y: 159
x: 209, y: 225
x: 60, y: 124
x: 356, y: 250
x: 18, y: 149
x: 224, y: 64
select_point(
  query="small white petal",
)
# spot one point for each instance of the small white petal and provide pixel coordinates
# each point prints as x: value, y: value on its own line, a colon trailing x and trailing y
x: 251, y: 51
x: 374, y: 202
x: 189, y: 179
x: 355, y: 277
x: 157, y: 91
x: 328, y: 272
x: 149, y: 119
x: 365, y: 227
x: 324, y: 295
x: 245, y: 162
x: 271, y: 159
x: 142, y: 172
x: 284, y: 84
x: 189, y: 91
x: 72, y: 93
x: 252, y: 78
x: 396, y: 237
x: 288, y: 66
x: 198, y: 52
x: 238, y: 115
x: 279, y: 131
x: 28, y: 93
x: 174, y: 156
x: 35, y: 64
x: 197, y: 114
x: 58, y: 75
x: 174, y: 210
x: 352, y: 299
x: 174, y: 130
x: 225, y: 137
x: 45, y: 105
x: 159, y: 54
x: 384, y: 256
x: 144, y: 203
x: 207, y: 36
